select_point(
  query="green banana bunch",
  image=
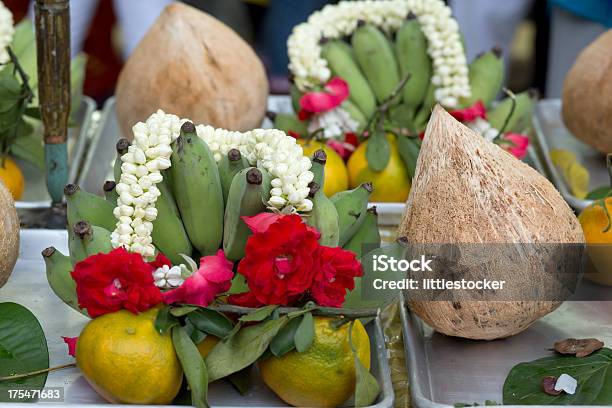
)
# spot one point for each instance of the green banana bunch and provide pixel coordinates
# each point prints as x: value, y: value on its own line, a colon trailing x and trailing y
x: 110, y: 193
x: 411, y: 52
x: 377, y: 60
x: 58, y: 268
x: 288, y: 122
x: 122, y: 148
x: 351, y: 206
x: 229, y: 165
x: 197, y: 190
x: 323, y: 216
x: 355, y: 114
x: 368, y: 234
x: 486, y: 78
x: 339, y: 57
x: 521, y: 116
x: 89, y: 207
x: 87, y: 240
x: 424, y: 112
x: 169, y: 234
x: 248, y: 195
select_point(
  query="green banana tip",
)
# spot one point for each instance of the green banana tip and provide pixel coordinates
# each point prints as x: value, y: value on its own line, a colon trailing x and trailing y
x: 319, y: 157
x: 122, y: 146
x: 314, y: 187
x: 497, y: 51
x: 323, y: 40
x: 234, y: 155
x: 373, y: 210
x: 411, y: 16
x: 82, y: 229
x: 188, y: 127
x: 254, y: 176
x: 271, y: 115
x: 70, y: 189
x: 368, y: 186
x: 109, y: 185
x: 48, y: 252
x: 361, y: 23
x: 533, y: 93
x: 403, y: 241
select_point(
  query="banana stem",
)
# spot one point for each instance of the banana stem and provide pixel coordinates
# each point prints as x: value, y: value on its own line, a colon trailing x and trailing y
x: 320, y: 311
x: 512, y: 97
x: 382, y: 109
x: 37, y: 372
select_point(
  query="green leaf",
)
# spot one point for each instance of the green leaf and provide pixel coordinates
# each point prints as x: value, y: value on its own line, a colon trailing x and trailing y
x: 304, y: 336
x: 242, y: 349
x: 23, y: 349
x: 211, y: 322
x: 165, y: 321
x: 258, y: 314
x: 409, y: 148
x: 241, y: 380
x: 378, y: 151
x: 196, y: 335
x: 193, y: 366
x: 182, y: 310
x: 593, y: 373
x: 239, y: 284
x: 33, y: 112
x: 284, y: 341
x: 599, y: 193
x: 366, y: 386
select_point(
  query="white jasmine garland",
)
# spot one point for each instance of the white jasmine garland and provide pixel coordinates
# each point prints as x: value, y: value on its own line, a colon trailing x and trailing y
x: 333, y: 123
x: 150, y: 153
x: 481, y: 126
x: 167, y: 277
x: 450, y: 70
x: 6, y: 32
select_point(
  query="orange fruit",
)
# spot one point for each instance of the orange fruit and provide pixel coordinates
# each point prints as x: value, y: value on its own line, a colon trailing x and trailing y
x: 390, y: 185
x: 598, y: 234
x: 12, y: 177
x: 336, y: 175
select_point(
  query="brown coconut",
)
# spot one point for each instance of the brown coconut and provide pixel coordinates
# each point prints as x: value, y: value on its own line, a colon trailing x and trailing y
x: 468, y: 190
x: 587, y: 95
x: 9, y: 234
x: 192, y: 65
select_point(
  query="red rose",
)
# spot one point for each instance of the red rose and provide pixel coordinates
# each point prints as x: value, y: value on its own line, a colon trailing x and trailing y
x: 279, y: 262
x: 334, y: 92
x: 118, y: 280
x: 471, y: 113
x: 160, y: 260
x: 335, y: 274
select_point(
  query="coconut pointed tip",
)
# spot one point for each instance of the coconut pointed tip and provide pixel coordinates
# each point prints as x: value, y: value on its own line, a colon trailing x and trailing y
x: 48, y: 252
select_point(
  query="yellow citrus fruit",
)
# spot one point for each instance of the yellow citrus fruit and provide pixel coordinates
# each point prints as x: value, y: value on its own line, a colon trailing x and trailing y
x: 336, y: 176
x: 575, y: 174
x: 323, y: 375
x: 127, y: 361
x: 207, y: 344
x: 390, y: 185
x: 562, y: 158
x: 12, y: 177
x: 597, y: 230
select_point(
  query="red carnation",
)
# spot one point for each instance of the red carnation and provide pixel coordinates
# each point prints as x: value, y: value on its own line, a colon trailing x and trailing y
x: 279, y: 262
x: 471, y: 113
x: 336, y: 271
x: 118, y: 280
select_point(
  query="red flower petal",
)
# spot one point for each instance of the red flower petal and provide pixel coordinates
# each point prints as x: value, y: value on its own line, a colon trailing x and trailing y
x: 212, y: 278
x: 246, y: 299
x: 160, y: 260
x: 72, y: 343
x: 336, y: 272
x: 477, y: 110
x: 520, y: 142
x: 261, y: 222
x: 332, y: 95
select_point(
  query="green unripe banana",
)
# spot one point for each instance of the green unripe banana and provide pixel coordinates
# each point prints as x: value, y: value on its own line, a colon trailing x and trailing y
x: 519, y: 121
x: 288, y: 122
x: 248, y: 195
x: 197, y: 190
x: 340, y: 59
x: 376, y: 58
x: 486, y: 78
x: 87, y: 240
x: 413, y: 59
x: 169, y: 235
x: 89, y: 207
x: 296, y: 94
x: 368, y: 234
x: 323, y: 217
x: 229, y: 165
x: 122, y: 148
x: 424, y: 112
x: 58, y: 268
x: 319, y: 159
x: 110, y: 193
x: 351, y: 206
x: 356, y: 114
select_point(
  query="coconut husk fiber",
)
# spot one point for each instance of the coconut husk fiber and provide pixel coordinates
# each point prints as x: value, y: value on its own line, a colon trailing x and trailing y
x: 196, y: 67
x: 470, y: 191
x: 587, y: 95
x: 9, y: 235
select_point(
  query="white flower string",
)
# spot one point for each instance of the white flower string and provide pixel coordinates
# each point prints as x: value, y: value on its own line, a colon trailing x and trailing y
x: 150, y: 153
x: 6, y: 32
x: 333, y: 123
x: 450, y: 70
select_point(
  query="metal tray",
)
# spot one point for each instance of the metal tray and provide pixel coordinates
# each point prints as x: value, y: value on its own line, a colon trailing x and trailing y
x: 447, y: 370
x: 35, y: 195
x: 28, y: 287
x: 552, y: 134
